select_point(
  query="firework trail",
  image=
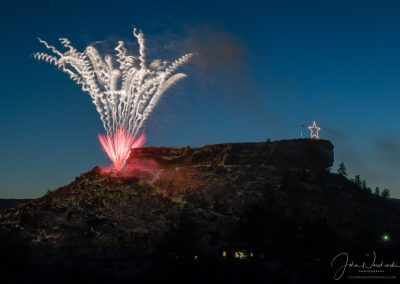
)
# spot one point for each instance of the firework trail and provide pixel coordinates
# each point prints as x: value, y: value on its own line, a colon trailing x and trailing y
x: 124, y: 95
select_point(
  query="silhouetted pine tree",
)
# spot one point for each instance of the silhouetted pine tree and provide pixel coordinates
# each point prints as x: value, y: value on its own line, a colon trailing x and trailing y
x: 364, y: 185
x: 357, y: 181
x: 385, y: 193
x: 342, y: 170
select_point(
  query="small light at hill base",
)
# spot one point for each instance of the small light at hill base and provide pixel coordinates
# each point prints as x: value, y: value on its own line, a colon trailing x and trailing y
x: 385, y: 237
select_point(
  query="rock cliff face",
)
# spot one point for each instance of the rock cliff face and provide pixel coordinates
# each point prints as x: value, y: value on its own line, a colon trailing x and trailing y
x: 301, y: 153
x: 277, y: 199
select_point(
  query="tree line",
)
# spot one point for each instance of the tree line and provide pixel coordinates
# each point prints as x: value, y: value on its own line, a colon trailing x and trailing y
x: 361, y: 183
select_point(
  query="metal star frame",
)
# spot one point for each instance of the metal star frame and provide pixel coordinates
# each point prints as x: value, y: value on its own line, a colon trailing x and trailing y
x: 314, y: 129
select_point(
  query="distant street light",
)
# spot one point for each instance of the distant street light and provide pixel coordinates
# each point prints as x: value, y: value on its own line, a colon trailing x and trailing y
x: 385, y: 237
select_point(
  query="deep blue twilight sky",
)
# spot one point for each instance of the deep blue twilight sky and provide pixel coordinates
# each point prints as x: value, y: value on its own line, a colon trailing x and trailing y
x: 262, y: 70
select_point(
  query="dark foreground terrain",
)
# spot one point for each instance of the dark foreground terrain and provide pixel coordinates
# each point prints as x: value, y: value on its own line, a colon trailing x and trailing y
x: 248, y: 212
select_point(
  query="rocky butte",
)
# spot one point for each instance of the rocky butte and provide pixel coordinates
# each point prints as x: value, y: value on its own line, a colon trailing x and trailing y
x: 240, y: 211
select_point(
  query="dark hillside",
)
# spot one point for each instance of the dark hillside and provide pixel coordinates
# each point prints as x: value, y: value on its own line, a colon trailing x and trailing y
x: 217, y: 208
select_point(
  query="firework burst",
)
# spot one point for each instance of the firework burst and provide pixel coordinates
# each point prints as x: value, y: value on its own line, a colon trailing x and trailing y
x: 124, y: 95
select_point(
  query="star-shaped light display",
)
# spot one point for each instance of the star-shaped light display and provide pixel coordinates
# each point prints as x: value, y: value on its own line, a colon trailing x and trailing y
x: 314, y: 129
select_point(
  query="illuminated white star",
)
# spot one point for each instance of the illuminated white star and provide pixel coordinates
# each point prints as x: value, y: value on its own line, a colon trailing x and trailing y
x: 314, y: 131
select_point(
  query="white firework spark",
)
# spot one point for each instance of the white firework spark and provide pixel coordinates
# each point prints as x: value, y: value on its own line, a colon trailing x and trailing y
x: 124, y: 95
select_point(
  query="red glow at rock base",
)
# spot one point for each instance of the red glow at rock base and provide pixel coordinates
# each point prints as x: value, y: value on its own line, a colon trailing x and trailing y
x: 118, y: 147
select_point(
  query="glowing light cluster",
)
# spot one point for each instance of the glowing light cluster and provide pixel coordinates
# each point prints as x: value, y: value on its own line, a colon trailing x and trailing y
x: 118, y: 146
x: 124, y: 96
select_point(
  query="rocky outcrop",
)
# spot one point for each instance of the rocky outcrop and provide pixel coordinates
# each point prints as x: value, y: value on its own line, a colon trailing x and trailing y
x: 301, y: 153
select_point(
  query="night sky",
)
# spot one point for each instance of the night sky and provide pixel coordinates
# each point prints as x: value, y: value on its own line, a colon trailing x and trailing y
x: 262, y: 70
